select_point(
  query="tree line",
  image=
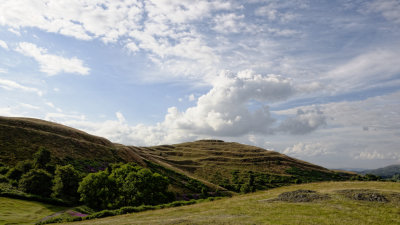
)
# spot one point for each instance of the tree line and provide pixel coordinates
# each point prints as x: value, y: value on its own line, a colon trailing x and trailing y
x: 117, y: 186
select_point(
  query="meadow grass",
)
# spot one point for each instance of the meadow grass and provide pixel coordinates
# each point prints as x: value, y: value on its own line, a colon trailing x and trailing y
x: 256, y: 208
x: 16, y: 211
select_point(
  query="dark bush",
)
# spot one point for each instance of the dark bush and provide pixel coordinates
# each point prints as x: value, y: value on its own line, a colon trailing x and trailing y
x: 36, y: 181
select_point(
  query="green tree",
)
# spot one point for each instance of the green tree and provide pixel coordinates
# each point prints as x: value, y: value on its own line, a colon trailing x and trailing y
x: 126, y: 185
x: 98, y: 190
x: 36, y: 181
x: 66, y: 183
x: 151, y: 187
x: 41, y: 158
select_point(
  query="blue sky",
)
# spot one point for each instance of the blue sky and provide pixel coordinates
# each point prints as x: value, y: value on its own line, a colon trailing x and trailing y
x: 316, y: 80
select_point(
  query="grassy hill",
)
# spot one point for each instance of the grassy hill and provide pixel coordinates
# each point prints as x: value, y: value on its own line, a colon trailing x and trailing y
x: 219, y: 162
x: 341, y: 204
x: 191, y: 166
x: 385, y: 172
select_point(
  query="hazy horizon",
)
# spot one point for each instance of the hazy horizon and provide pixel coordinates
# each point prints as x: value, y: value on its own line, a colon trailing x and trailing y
x: 316, y: 80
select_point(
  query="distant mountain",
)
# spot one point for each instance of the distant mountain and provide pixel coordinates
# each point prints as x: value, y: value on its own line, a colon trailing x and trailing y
x: 385, y: 172
x: 189, y: 166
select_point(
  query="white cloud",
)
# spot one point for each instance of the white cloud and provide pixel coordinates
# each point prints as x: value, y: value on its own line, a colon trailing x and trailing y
x: 3, y: 44
x: 366, y: 70
x: 223, y: 110
x: 388, y: 8
x: 229, y: 23
x: 14, y: 31
x: 161, y: 28
x: 12, y: 85
x: 56, y: 117
x: 191, y: 97
x: 29, y: 106
x: 303, y: 122
x: 52, y: 64
x: 307, y: 150
x: 3, y: 70
x: 378, y: 155
x: 274, y: 12
x: 51, y: 105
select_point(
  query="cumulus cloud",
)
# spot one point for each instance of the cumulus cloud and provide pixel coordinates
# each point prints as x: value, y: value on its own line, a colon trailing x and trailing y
x: 52, y: 64
x: 224, y: 111
x: 306, y: 150
x: 303, y: 122
x: 12, y: 85
x: 3, y: 44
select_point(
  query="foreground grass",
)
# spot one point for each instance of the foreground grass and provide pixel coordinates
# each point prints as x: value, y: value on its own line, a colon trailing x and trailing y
x: 16, y: 211
x: 255, y: 209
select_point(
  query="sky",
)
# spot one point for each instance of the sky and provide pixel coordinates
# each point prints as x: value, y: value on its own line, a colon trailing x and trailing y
x: 316, y: 80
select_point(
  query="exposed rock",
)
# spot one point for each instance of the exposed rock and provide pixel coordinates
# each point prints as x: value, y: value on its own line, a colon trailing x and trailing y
x: 302, y: 196
x: 364, y: 195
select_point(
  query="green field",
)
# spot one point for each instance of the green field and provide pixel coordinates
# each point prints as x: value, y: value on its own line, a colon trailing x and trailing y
x: 256, y: 208
x: 15, y: 211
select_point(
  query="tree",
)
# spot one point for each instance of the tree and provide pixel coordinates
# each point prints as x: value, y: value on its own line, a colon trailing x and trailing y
x: 151, y: 187
x: 66, y: 183
x: 98, y: 190
x: 36, y: 181
x: 41, y: 158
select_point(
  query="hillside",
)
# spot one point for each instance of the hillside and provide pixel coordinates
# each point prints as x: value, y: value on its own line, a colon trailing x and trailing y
x: 385, y: 172
x: 190, y: 166
x: 341, y: 203
x: 21, y: 137
x: 228, y: 164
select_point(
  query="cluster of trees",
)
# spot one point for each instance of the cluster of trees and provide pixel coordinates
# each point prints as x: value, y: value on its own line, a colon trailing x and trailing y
x: 117, y: 186
x: 366, y: 177
x: 124, y: 185
x: 35, y: 176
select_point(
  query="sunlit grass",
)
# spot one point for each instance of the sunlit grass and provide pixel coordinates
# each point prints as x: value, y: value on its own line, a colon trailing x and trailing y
x: 15, y: 211
x: 255, y: 209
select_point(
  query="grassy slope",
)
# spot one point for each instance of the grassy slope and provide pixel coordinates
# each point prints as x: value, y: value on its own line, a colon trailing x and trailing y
x: 253, y: 209
x: 213, y: 160
x: 21, y: 137
x: 15, y: 211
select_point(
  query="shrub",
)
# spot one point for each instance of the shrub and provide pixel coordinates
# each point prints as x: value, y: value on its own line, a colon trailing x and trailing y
x: 41, y: 158
x: 98, y: 190
x: 66, y: 183
x: 36, y: 181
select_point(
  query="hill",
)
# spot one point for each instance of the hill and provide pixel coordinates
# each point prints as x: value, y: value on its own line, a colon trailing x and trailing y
x: 385, y: 172
x: 338, y: 203
x: 191, y: 166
